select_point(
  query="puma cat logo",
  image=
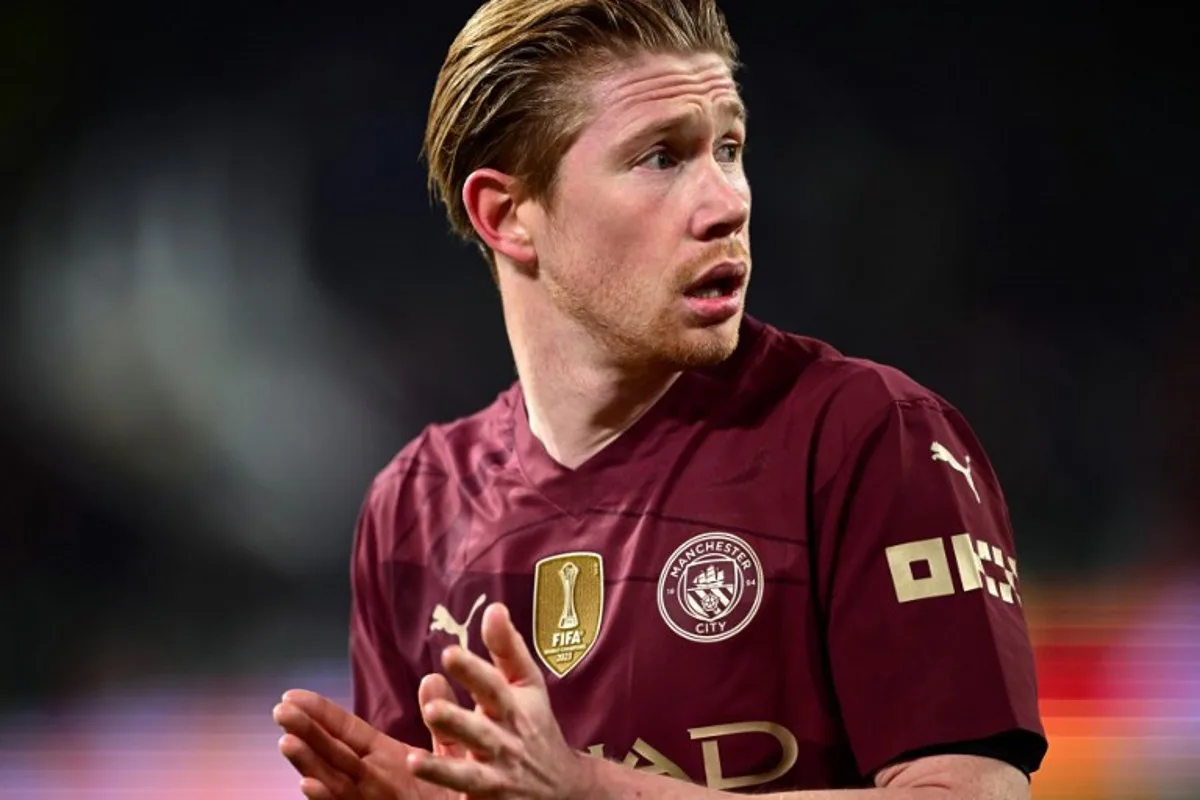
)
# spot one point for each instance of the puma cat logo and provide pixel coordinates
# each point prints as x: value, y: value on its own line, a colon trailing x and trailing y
x: 442, y: 621
x: 940, y: 453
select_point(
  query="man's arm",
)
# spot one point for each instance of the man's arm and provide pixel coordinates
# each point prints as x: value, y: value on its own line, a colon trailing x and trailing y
x: 916, y: 577
x: 382, y: 678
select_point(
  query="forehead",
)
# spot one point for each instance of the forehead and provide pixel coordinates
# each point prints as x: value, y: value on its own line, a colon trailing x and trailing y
x: 651, y: 86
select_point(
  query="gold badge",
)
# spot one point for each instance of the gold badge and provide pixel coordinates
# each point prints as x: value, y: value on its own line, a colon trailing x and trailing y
x: 568, y: 605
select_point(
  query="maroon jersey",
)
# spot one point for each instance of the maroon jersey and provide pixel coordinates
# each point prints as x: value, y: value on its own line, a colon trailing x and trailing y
x: 796, y: 568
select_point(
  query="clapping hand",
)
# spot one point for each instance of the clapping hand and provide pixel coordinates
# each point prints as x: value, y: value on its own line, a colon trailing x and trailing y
x: 508, y: 747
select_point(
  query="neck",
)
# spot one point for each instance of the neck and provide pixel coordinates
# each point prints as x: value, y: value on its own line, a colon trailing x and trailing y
x: 577, y: 398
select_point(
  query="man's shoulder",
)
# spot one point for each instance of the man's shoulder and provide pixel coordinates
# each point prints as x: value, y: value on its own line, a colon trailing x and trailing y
x: 813, y: 377
x: 444, y: 451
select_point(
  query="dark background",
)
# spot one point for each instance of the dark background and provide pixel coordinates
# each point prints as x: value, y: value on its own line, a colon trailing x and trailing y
x: 227, y: 300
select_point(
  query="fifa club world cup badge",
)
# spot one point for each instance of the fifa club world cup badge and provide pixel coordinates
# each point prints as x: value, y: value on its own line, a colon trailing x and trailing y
x: 711, y: 587
x: 568, y: 607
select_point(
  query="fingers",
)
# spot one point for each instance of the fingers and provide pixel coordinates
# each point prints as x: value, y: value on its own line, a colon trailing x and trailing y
x: 305, y: 730
x: 316, y: 773
x: 435, y: 687
x: 471, y: 777
x: 315, y: 790
x: 508, y: 649
x: 476, y: 732
x: 356, y: 732
x: 484, y: 681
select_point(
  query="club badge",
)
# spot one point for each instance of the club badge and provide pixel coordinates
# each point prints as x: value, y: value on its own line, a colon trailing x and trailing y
x: 711, y: 587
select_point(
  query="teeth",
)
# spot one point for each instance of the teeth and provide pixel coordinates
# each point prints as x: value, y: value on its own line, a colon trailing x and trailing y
x: 709, y: 293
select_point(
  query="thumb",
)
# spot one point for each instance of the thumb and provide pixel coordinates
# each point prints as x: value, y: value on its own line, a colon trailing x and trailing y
x: 509, y: 652
x: 354, y: 731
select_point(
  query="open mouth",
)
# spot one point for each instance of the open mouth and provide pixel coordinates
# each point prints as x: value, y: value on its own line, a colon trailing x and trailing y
x: 723, y: 280
x: 715, y: 287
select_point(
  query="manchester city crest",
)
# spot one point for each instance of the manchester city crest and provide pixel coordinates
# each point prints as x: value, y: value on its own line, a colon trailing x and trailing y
x: 711, y: 587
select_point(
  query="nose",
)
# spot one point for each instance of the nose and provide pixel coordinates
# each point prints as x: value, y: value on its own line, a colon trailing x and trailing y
x: 723, y: 206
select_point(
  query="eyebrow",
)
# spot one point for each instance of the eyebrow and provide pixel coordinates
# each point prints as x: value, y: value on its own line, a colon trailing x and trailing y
x: 728, y: 108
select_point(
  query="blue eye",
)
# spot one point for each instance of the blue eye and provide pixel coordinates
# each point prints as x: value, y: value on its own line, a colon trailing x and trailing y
x: 729, y: 152
x: 660, y: 160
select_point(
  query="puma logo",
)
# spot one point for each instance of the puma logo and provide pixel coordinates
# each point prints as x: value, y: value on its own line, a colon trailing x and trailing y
x: 940, y: 453
x: 442, y: 621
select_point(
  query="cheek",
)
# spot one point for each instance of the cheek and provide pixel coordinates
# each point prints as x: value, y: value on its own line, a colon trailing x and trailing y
x: 613, y: 240
x: 614, y: 237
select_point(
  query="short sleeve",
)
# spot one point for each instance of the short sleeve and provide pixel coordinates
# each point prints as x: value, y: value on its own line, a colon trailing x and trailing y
x: 926, y: 636
x: 384, y: 682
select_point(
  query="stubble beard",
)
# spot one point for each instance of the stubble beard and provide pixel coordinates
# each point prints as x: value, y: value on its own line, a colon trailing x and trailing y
x: 632, y: 334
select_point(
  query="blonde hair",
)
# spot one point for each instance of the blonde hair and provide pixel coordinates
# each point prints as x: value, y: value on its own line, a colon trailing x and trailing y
x: 512, y: 92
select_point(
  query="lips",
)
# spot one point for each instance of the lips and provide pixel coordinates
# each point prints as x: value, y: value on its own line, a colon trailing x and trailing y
x: 720, y: 280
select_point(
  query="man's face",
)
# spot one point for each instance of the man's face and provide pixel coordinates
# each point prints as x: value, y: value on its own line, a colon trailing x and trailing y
x: 650, y: 198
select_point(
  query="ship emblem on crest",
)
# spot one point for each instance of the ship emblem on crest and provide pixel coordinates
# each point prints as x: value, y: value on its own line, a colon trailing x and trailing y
x: 711, y: 587
x: 710, y: 592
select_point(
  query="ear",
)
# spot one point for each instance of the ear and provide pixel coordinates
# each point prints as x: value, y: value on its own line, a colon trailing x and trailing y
x: 491, y: 199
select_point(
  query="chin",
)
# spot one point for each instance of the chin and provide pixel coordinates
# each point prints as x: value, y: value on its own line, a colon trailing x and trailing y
x: 705, y: 347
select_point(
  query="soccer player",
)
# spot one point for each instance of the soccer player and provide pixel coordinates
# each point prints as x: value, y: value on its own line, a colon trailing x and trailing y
x: 686, y: 553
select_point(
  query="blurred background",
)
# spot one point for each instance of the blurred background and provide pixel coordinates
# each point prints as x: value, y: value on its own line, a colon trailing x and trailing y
x: 226, y: 302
